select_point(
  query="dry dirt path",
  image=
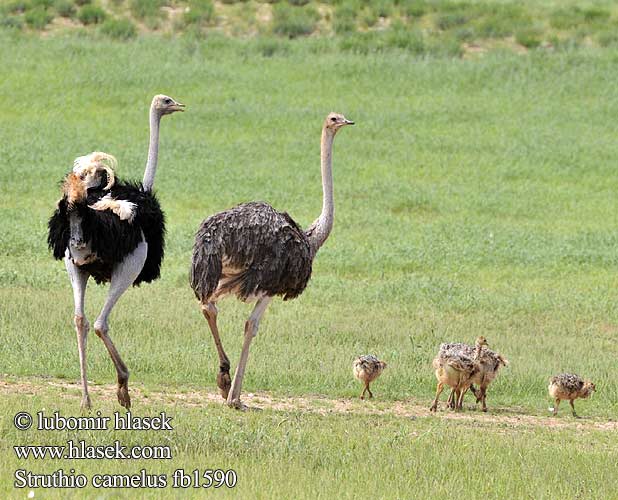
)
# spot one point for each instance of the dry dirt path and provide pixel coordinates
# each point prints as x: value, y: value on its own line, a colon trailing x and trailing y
x: 410, y: 409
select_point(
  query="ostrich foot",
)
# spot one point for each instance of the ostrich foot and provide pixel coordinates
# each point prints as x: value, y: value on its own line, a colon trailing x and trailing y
x: 237, y: 404
x: 433, y: 408
x: 86, y: 406
x: 224, y: 382
x: 123, y: 394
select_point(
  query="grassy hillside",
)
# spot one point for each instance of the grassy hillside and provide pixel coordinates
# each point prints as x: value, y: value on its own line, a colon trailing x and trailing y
x: 439, y: 26
x: 472, y: 197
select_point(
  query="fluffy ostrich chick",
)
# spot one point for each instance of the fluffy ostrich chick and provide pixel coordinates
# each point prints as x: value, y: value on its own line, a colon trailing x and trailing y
x: 367, y: 368
x: 569, y: 386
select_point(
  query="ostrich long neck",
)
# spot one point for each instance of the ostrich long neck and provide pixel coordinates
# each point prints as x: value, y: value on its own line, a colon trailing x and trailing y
x: 153, y: 150
x: 320, y: 229
x: 477, y: 354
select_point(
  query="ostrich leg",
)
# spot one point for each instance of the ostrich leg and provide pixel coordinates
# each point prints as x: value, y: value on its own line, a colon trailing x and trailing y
x: 251, y: 329
x: 79, y: 280
x: 434, y: 406
x: 209, y: 310
x: 123, y: 277
x: 362, y: 395
x: 573, y: 407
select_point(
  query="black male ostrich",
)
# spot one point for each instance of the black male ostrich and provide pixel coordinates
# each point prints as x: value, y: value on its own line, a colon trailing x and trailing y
x: 255, y: 253
x: 113, y: 231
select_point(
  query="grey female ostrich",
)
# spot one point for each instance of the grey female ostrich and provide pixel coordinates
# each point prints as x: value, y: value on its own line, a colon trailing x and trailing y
x: 255, y: 253
x: 119, y: 238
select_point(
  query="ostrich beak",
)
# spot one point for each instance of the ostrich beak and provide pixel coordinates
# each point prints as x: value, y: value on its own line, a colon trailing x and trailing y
x: 178, y: 107
x: 349, y: 122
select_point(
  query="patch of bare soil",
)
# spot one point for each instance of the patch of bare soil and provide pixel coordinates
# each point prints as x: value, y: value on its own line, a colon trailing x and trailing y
x: 410, y: 409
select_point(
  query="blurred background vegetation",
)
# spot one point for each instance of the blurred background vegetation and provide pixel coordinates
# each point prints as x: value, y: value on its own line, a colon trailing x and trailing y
x: 444, y: 27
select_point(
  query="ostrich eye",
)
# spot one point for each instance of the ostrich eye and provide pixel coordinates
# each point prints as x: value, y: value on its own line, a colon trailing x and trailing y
x: 82, y: 176
x: 333, y: 119
x: 168, y: 101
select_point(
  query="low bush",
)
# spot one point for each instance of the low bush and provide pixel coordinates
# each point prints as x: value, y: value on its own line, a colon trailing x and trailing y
x: 91, y: 14
x: 294, y: 21
x: 119, y: 29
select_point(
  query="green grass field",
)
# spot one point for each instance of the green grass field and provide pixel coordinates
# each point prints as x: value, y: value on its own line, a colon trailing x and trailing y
x: 472, y: 197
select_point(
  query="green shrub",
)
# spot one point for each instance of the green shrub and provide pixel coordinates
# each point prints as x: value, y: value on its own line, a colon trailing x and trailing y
x: 38, y: 18
x: 143, y: 9
x: 298, y: 3
x: 345, y: 18
x: 91, y: 14
x: 596, y: 15
x: 450, y: 20
x: 200, y: 12
x: 368, y: 18
x: 81, y: 3
x: 268, y: 47
x: 294, y: 21
x: 17, y: 6
x: 444, y: 46
x: 607, y: 38
x: 465, y: 34
x: 382, y: 8
x: 11, y: 22
x: 563, y: 19
x: 503, y: 20
x: 413, y: 8
x: 120, y: 29
x: 362, y: 43
x: 45, y: 4
x: 409, y: 40
x: 529, y: 38
x: 64, y: 8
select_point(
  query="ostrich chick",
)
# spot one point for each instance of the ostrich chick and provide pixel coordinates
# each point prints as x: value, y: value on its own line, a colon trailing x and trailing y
x: 456, y: 369
x: 569, y: 386
x: 367, y: 368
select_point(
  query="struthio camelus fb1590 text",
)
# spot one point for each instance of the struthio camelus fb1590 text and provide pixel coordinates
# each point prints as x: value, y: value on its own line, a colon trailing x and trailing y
x: 256, y: 253
x: 112, y: 231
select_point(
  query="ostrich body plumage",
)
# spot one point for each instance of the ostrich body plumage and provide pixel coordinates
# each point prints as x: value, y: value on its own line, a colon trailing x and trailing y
x: 250, y: 250
x: 109, y: 239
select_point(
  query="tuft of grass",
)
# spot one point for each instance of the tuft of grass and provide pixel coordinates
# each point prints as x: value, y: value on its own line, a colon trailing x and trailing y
x: 607, y: 38
x: 91, y: 14
x: 119, y: 29
x: 410, y: 40
x: 11, y: 22
x: 146, y: 9
x: 345, y: 18
x: 44, y: 4
x: 38, y: 18
x: 293, y: 22
x: 268, y: 47
x: 81, y: 3
x: 413, y: 8
x: 65, y: 8
x: 529, y: 38
x: 16, y: 7
x: 200, y: 13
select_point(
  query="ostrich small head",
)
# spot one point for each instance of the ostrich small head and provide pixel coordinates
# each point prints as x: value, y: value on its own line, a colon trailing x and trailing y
x: 588, y: 389
x: 334, y: 121
x: 481, y: 342
x: 165, y: 105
